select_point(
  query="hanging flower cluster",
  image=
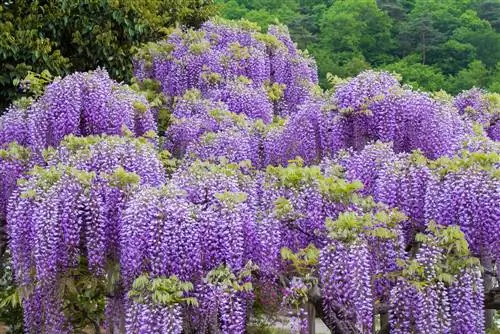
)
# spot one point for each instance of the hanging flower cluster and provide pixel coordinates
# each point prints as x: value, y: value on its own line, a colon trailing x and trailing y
x: 437, y: 291
x: 81, y: 104
x: 458, y: 191
x: 374, y: 107
x: 482, y: 107
x: 71, y: 211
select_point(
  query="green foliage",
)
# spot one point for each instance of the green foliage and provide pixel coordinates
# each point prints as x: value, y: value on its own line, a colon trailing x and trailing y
x: 350, y: 226
x: 62, y: 36
x: 122, y: 179
x: 33, y: 86
x: 83, y: 294
x: 169, y: 163
x: 487, y: 161
x: 275, y: 91
x: 44, y: 178
x: 11, y: 313
x: 419, y: 76
x: 455, y: 256
x: 304, y: 261
x: 495, y: 329
x: 264, y: 328
x: 295, y: 176
x: 15, y: 152
x: 225, y: 278
x: 283, y: 209
x: 231, y: 199
x: 164, y: 291
x: 77, y: 144
x: 475, y: 74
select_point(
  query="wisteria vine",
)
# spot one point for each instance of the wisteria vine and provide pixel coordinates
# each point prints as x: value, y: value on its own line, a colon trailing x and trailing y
x: 231, y: 184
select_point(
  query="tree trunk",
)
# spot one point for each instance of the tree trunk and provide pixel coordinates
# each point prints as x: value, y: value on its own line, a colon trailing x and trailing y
x: 423, y: 47
x: 384, y: 323
x: 3, y: 243
x: 489, y: 314
x: 311, y: 318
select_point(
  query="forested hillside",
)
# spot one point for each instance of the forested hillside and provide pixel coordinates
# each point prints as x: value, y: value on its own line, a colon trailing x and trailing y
x: 434, y: 44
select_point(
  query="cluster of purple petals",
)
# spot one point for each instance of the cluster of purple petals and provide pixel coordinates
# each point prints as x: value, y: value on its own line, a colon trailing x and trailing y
x: 224, y: 134
x: 191, y: 226
x: 45, y: 238
x: 411, y: 120
x: 222, y: 309
x: 295, y: 70
x: 310, y: 210
x: 216, y: 210
x: 232, y: 310
x: 14, y: 159
x: 302, y: 226
x: 474, y: 105
x: 213, y: 59
x: 494, y: 130
x: 346, y: 279
x: 229, y: 67
x: 384, y: 254
x: 357, y: 94
x: 468, y: 198
x: 480, y: 143
x: 396, y: 179
x: 104, y: 154
x: 80, y: 104
x: 463, y: 197
x: 316, y: 129
x: 242, y: 98
x: 226, y: 222
x: 203, y: 129
x: 13, y: 127
x: 234, y: 144
x: 437, y: 307
x: 149, y: 317
x: 159, y: 236
x: 299, y: 316
x: 357, y: 274
x: 301, y: 136
x: 408, y: 309
x: 183, y: 228
x: 371, y: 107
x: 193, y: 116
x: 226, y: 232
x: 72, y: 208
x: 466, y: 301
x: 14, y: 162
